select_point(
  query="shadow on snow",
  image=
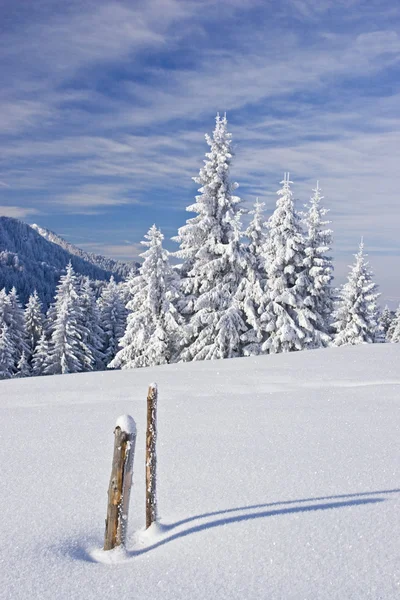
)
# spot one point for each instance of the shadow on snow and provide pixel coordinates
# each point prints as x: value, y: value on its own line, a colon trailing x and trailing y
x: 76, y: 550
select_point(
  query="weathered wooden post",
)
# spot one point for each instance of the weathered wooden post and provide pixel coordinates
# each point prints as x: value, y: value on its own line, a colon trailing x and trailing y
x: 151, y: 456
x: 120, y: 482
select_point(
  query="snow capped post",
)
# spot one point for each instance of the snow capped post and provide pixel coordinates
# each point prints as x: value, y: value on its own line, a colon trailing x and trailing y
x: 120, y: 482
x: 151, y: 456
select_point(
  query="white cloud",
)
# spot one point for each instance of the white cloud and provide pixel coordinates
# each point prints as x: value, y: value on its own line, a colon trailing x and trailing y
x: 93, y: 198
x: 118, y: 251
x: 17, y: 212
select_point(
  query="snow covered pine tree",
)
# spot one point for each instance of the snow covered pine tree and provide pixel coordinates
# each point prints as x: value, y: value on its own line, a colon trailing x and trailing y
x: 67, y: 353
x: 394, y: 329
x: 251, y: 291
x: 23, y: 368
x: 92, y: 332
x: 34, y: 320
x: 214, y: 260
x: 319, y: 270
x: 12, y: 316
x: 7, y: 361
x: 288, y: 322
x: 40, y: 356
x: 112, y: 318
x: 152, y: 331
x: 356, y: 315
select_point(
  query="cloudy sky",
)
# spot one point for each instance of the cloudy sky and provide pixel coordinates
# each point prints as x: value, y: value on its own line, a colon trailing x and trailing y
x: 104, y: 106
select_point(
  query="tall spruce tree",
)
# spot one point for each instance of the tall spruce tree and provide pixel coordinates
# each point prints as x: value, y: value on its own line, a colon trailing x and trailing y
x: 23, y: 368
x: 153, y: 330
x: 40, y: 356
x: 11, y: 315
x: 385, y: 320
x: 34, y: 322
x: 251, y: 289
x: 7, y: 352
x: 257, y: 232
x: 318, y: 270
x: 67, y: 352
x: 112, y: 318
x: 214, y: 260
x: 17, y: 324
x: 288, y: 322
x: 393, y: 332
x: 356, y: 315
x: 92, y: 339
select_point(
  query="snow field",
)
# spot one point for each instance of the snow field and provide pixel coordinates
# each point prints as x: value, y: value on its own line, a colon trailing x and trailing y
x: 278, y: 477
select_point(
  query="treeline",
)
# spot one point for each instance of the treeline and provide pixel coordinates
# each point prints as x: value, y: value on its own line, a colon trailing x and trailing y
x: 237, y: 291
x: 78, y: 332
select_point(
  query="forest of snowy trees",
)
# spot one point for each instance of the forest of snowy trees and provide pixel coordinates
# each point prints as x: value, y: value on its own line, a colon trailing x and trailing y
x: 237, y: 291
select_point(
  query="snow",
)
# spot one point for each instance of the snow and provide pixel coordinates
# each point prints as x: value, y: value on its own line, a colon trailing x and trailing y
x: 126, y: 424
x: 278, y: 477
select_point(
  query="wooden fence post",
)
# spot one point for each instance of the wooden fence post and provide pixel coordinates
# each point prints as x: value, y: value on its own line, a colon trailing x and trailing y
x: 120, y: 482
x: 151, y: 456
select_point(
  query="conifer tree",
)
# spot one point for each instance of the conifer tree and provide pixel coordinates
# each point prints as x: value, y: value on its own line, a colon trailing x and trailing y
x: 355, y: 319
x: 7, y: 361
x: 257, y: 232
x: 393, y: 334
x: 387, y: 322
x: 251, y: 289
x: 112, y: 318
x: 23, y: 368
x: 11, y: 315
x: 92, y: 332
x: 153, y: 330
x: 67, y: 352
x: 40, y: 356
x: 288, y: 322
x: 34, y: 321
x: 318, y: 271
x: 16, y: 324
x: 214, y: 260
x: 3, y: 302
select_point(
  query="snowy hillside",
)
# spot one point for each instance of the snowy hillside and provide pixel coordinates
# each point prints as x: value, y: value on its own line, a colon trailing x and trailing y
x: 29, y: 261
x: 279, y: 478
x: 118, y: 268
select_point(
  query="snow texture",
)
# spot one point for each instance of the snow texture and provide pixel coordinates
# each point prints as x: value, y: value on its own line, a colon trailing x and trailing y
x: 278, y: 479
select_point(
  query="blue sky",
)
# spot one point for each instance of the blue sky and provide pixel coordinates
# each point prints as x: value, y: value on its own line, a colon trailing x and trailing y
x: 104, y: 106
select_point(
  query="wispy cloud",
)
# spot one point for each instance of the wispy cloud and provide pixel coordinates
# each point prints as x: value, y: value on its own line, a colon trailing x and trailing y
x: 126, y: 251
x: 104, y: 106
x: 17, y: 212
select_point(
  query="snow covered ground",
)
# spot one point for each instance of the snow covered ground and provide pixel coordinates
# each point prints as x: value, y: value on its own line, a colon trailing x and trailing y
x: 279, y: 478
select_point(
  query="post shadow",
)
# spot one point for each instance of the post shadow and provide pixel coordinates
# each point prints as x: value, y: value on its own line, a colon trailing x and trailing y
x: 251, y: 517
x: 169, y: 526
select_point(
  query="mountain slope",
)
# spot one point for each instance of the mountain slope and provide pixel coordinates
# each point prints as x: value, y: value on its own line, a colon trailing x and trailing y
x: 117, y: 267
x: 28, y: 261
x: 278, y: 478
